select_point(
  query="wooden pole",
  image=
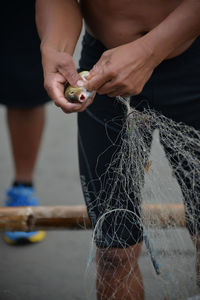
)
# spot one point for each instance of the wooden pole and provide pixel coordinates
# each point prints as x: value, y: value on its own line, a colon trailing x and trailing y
x: 76, y: 217
x: 163, y: 215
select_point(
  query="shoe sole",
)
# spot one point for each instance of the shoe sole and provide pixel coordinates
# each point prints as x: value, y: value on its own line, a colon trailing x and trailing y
x: 36, y: 238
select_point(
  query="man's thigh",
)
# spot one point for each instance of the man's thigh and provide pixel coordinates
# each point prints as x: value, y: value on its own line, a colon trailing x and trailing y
x: 115, y: 215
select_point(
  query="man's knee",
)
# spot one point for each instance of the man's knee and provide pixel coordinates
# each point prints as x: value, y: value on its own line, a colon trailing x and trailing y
x: 110, y: 259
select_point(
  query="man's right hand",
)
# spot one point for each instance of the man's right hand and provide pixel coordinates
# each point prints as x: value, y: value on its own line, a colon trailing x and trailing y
x: 59, y: 68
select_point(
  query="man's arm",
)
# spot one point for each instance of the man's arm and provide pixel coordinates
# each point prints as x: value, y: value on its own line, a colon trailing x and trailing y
x: 59, y: 24
x: 179, y: 28
x: 125, y: 70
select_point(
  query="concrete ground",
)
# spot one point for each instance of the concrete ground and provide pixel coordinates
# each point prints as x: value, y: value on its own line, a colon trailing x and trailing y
x: 56, y: 268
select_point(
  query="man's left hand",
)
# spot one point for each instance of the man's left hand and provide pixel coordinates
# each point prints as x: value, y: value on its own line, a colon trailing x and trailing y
x: 122, y: 71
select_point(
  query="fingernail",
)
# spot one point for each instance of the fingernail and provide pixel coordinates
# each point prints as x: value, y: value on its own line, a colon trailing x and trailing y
x: 80, y: 83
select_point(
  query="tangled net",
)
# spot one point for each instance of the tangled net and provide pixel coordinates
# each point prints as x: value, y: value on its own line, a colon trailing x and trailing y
x: 136, y: 175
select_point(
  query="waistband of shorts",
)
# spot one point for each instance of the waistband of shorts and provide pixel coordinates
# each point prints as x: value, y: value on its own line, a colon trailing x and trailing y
x: 93, y: 42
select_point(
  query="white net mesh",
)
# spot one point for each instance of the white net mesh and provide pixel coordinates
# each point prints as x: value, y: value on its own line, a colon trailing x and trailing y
x: 136, y: 175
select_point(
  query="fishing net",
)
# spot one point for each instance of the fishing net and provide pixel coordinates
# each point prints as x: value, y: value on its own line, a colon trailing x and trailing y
x: 136, y: 181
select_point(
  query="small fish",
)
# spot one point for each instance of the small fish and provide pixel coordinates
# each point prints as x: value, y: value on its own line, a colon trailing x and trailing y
x: 78, y: 94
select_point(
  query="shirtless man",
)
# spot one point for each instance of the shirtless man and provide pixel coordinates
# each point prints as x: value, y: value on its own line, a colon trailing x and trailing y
x: 148, y: 49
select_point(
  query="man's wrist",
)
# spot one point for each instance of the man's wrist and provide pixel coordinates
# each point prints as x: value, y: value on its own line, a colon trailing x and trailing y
x: 58, y: 46
x: 152, y: 51
x: 158, y: 47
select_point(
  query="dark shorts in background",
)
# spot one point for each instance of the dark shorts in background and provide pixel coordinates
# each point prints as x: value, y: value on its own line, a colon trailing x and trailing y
x: 21, y: 76
x: 173, y: 90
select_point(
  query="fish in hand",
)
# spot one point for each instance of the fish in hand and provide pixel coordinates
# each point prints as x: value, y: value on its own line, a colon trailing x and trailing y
x: 78, y: 94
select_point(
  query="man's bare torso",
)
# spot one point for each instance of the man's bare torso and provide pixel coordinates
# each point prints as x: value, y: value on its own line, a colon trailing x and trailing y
x: 116, y: 22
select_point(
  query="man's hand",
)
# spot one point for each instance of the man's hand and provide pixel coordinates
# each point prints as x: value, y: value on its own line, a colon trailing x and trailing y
x: 59, y: 24
x: 122, y: 71
x: 59, y: 68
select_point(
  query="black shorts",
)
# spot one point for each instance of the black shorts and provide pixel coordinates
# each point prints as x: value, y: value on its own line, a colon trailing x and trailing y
x: 173, y: 90
x: 21, y: 79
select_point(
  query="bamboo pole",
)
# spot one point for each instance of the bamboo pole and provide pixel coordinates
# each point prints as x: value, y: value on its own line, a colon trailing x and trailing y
x: 76, y: 217
x: 163, y: 215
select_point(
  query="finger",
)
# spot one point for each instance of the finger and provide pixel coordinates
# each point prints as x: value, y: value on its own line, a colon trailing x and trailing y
x: 98, y: 76
x: 125, y: 95
x: 80, y: 108
x: 97, y: 81
x: 110, y: 87
x: 86, y: 104
x: 56, y: 92
x: 102, y: 63
x: 70, y: 73
x: 73, y: 109
x: 95, y: 70
x: 118, y: 92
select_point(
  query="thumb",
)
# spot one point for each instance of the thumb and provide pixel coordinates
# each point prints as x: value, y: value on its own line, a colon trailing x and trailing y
x: 70, y: 74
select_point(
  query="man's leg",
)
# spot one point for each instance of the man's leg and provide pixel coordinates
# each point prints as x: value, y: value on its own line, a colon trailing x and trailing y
x: 118, y: 274
x: 25, y: 128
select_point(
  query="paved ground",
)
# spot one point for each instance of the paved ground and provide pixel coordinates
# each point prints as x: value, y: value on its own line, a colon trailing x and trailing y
x: 55, y: 269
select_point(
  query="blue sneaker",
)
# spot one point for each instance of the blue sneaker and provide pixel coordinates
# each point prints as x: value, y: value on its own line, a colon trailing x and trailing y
x: 22, y: 196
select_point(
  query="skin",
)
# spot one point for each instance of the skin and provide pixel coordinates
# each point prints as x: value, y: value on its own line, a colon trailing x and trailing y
x: 118, y: 274
x: 25, y: 129
x: 144, y: 33
x: 126, y: 20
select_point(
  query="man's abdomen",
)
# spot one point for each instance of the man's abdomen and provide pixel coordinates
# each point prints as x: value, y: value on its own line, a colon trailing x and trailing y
x: 118, y: 22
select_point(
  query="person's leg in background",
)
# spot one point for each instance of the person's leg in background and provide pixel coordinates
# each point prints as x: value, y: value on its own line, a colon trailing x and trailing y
x: 21, y: 72
x: 25, y: 128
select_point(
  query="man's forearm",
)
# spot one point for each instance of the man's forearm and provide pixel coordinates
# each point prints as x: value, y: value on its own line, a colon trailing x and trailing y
x: 180, y: 27
x: 59, y: 24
